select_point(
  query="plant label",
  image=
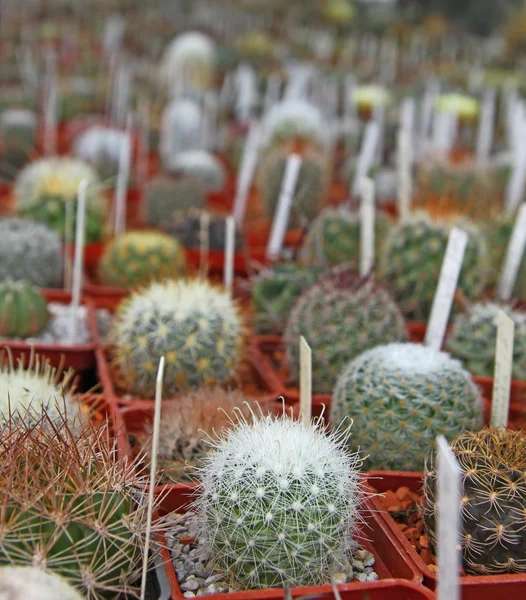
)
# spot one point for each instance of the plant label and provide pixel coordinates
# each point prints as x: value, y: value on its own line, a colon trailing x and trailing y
x: 404, y: 188
x: 246, y: 172
x: 123, y: 176
x: 514, y: 254
x: 485, y: 132
x: 230, y: 233
x: 500, y: 403
x: 305, y: 381
x: 79, y: 256
x: 367, y: 217
x: 366, y: 157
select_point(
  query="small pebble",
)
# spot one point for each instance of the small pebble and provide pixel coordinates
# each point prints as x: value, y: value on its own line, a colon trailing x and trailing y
x: 372, y: 576
x: 190, y: 585
x: 361, y: 577
x: 339, y: 578
x: 358, y: 565
x: 189, y: 595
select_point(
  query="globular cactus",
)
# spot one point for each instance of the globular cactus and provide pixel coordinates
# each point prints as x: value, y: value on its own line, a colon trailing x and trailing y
x: 80, y: 95
x: 203, y: 166
x: 83, y: 517
x: 187, y: 425
x: 135, y: 258
x: 401, y: 397
x: 493, y: 495
x: 279, y: 501
x: 311, y: 187
x: 196, y: 327
x: 367, y: 97
x: 45, y: 187
x: 18, y: 129
x: 334, y: 237
x: 473, y: 337
x: 464, y: 107
x: 172, y: 198
x: 255, y: 46
x: 180, y: 130
x: 412, y: 258
x: 29, y: 392
x: 23, y: 309
x: 341, y: 316
x: 275, y: 291
x: 32, y: 583
x: 191, y: 57
x: 101, y: 147
x: 294, y: 120
x: 31, y: 251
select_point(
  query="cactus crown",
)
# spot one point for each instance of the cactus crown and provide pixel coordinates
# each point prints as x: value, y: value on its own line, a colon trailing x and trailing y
x: 493, y: 532
x: 401, y: 396
x: 293, y: 119
x: 278, y: 500
x: 202, y: 166
x: 370, y: 96
x: 463, y: 106
x: 180, y: 130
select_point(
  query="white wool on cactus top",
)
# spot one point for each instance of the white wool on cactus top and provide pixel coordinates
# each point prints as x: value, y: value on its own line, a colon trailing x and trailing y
x: 294, y: 119
x: 98, y: 142
x: 32, y: 583
x: 202, y: 165
x: 180, y: 130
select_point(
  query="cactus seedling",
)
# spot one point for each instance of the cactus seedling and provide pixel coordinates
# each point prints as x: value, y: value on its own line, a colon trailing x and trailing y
x: 23, y: 309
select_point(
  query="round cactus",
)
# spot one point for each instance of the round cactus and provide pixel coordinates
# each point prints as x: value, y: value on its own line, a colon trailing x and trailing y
x: 101, y: 147
x: 292, y: 120
x: 401, y: 397
x: 203, y: 166
x: 278, y: 502
x: 275, y: 292
x: 412, y: 258
x: 340, y: 316
x: 196, y: 327
x: 23, y: 309
x: 30, y: 251
x: 465, y: 107
x: 493, y: 491
x: 32, y: 583
x: 338, y: 12
x: 138, y: 257
x: 45, y: 187
x: 180, y: 130
x: 473, y: 337
x: 18, y: 128
x: 334, y: 237
x: 311, y: 187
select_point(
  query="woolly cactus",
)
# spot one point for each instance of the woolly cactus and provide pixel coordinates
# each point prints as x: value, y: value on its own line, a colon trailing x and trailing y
x: 32, y: 583
x: 292, y: 120
x: 190, y: 57
x: 412, y: 258
x: 493, y: 496
x: 400, y: 397
x: 278, y: 501
x: 311, y: 187
x: 169, y: 198
x: 197, y: 328
x: 275, y: 292
x: 18, y: 128
x: 187, y: 425
x: 202, y: 166
x: 334, y: 237
x: 473, y: 337
x: 180, y: 130
x: 23, y: 309
x: 84, y: 515
x: 101, y: 147
x: 138, y: 257
x: 45, y: 187
x: 340, y: 317
x: 30, y: 251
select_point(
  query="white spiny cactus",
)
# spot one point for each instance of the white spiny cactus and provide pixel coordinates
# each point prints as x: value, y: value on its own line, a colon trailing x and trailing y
x: 32, y: 583
x: 294, y: 119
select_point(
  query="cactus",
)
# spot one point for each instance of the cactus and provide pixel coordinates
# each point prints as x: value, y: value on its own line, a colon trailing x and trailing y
x: 138, y: 257
x: 338, y: 12
x: 30, y: 251
x: 191, y: 57
x: 101, y: 147
x: 23, y: 309
x: 196, y: 327
x: 275, y: 292
x: 279, y: 501
x: 334, y: 237
x: 400, y: 397
x: 473, y: 337
x: 45, y: 187
x: 340, y: 317
x: 412, y: 258
x: 203, y: 167
x: 187, y: 425
x: 311, y: 187
x: 169, y: 198
x: 180, y: 130
x: 292, y: 120
x: 32, y: 583
x: 26, y: 393
x: 367, y: 97
x: 18, y: 129
x: 255, y: 46
x: 464, y: 107
x: 79, y: 96
x: 84, y: 515
x: 493, y: 491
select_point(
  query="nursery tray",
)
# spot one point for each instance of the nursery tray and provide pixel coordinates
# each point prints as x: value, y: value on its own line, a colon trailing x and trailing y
x: 495, y: 587
x: 80, y: 357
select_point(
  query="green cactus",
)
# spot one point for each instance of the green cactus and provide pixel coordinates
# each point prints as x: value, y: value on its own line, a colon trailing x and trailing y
x: 279, y: 500
x: 196, y: 327
x: 473, y: 337
x: 203, y: 166
x: 334, y: 237
x: 293, y: 120
x: 18, y: 129
x: 311, y: 188
x: 30, y: 251
x: 80, y: 96
x: 493, y: 491
x: 135, y: 258
x: 340, y: 316
x: 23, y: 309
x: 169, y: 198
x: 401, y: 397
x: 412, y: 258
x: 30, y: 583
x: 275, y: 292
x: 45, y: 187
